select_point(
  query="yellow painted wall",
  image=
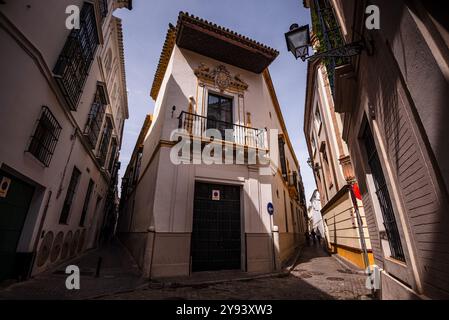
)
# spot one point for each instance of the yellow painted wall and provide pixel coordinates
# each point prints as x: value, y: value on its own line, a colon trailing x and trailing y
x: 342, y: 230
x: 353, y: 256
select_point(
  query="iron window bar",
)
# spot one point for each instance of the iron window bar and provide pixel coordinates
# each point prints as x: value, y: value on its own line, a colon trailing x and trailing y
x: 86, y: 202
x: 242, y: 135
x: 72, y: 67
x: 45, y: 137
x: 71, y: 189
x: 381, y: 190
x: 281, y: 145
x: 95, y: 117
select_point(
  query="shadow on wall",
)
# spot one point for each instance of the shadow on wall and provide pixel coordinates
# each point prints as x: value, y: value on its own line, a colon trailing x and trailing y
x: 409, y: 95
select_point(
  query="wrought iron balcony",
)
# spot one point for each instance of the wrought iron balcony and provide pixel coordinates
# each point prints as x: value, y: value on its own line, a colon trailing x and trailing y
x: 197, y: 126
x: 104, y: 143
x: 293, y: 187
x: 293, y: 180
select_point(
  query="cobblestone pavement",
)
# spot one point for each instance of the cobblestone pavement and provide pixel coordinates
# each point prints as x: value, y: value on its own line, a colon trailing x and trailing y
x: 316, y: 276
x: 118, y: 272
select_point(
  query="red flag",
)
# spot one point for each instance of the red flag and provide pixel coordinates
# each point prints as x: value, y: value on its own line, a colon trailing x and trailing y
x: 355, y: 188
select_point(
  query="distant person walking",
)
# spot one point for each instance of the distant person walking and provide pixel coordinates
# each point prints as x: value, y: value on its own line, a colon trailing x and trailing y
x: 313, y: 234
x: 318, y: 236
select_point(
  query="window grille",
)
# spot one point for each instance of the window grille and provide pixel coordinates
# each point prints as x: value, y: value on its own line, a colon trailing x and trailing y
x: 71, y: 190
x: 73, y: 64
x: 383, y: 196
x: 45, y: 137
x: 86, y: 203
x: 281, y: 144
x: 95, y: 117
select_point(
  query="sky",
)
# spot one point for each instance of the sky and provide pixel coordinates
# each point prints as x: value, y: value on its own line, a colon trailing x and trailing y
x: 266, y: 21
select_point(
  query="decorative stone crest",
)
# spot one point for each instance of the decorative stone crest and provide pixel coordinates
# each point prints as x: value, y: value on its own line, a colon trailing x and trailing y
x: 220, y: 77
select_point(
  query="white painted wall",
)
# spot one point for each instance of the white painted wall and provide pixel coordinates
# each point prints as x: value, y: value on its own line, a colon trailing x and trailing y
x: 28, y: 57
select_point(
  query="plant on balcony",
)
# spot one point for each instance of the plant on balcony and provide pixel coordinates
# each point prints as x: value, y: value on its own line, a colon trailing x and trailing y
x: 328, y: 36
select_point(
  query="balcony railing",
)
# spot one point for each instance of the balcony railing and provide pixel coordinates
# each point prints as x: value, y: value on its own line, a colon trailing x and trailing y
x: 327, y: 29
x: 293, y: 180
x: 197, y: 125
x: 104, y: 144
x: 293, y: 187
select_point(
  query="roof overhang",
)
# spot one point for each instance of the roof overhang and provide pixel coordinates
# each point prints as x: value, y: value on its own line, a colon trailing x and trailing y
x: 216, y: 42
x: 222, y: 44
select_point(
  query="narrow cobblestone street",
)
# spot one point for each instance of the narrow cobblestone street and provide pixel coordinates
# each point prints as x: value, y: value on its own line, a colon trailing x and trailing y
x: 316, y: 275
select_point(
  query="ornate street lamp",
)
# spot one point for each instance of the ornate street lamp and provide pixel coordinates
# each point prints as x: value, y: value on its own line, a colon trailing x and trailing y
x: 298, y: 42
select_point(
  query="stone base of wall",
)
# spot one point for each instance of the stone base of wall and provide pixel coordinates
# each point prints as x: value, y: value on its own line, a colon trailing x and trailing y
x: 171, y: 256
x: 259, y: 252
x: 168, y: 254
x: 393, y: 289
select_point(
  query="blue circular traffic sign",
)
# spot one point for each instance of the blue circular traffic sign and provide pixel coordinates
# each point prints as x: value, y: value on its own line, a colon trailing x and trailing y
x: 270, y: 208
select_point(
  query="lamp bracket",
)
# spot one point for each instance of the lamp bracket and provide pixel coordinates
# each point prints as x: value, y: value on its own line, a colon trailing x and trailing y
x: 348, y: 50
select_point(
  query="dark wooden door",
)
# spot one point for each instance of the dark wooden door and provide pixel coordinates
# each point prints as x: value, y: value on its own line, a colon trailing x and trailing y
x: 216, y: 234
x: 13, y: 211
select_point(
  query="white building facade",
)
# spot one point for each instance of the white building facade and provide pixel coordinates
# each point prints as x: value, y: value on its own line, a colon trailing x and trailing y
x: 63, y: 107
x: 315, y: 213
x: 182, y: 218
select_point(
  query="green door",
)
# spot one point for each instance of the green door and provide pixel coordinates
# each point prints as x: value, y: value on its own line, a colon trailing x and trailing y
x: 14, y: 206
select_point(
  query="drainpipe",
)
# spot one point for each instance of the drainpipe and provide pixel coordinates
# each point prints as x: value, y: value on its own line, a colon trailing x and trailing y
x: 360, y: 224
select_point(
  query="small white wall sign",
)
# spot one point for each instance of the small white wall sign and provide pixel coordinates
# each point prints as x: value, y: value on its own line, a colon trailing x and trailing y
x: 4, y: 187
x: 215, y: 194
